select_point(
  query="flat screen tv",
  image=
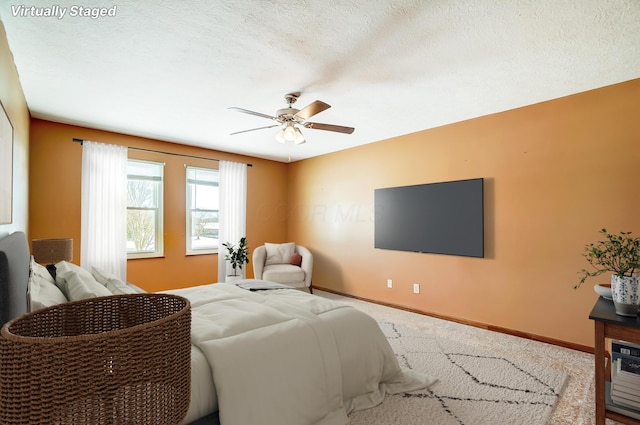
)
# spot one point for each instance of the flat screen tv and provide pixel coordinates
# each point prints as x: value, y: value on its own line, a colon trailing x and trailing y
x: 438, y: 218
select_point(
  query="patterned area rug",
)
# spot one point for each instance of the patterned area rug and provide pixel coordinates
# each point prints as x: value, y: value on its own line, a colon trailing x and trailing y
x: 475, y: 387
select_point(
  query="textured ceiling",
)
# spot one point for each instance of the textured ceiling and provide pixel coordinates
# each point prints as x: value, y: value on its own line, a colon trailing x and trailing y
x: 170, y: 69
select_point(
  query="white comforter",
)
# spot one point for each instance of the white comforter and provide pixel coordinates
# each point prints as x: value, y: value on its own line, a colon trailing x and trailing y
x: 285, y: 357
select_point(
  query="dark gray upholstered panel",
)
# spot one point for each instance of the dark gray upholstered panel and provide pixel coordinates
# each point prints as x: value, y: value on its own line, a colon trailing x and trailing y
x: 14, y: 276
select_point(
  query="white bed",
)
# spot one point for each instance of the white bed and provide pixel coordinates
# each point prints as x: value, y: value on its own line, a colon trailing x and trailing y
x: 277, y: 356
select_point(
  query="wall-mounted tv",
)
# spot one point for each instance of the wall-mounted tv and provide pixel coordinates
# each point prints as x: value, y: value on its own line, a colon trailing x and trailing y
x: 438, y: 218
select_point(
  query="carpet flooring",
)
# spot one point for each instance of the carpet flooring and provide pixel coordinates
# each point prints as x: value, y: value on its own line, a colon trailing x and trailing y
x: 517, y: 358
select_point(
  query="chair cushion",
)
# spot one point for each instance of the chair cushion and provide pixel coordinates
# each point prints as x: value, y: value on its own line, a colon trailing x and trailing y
x: 279, y: 253
x: 283, y: 273
x: 295, y: 259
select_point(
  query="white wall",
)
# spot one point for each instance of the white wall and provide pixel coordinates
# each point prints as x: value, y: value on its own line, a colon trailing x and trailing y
x: 13, y: 100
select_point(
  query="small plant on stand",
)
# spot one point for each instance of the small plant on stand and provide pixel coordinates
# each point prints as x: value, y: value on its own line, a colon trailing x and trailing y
x: 617, y: 254
x: 238, y: 256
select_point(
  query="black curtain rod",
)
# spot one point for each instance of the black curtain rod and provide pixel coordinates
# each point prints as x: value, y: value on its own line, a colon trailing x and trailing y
x: 81, y: 141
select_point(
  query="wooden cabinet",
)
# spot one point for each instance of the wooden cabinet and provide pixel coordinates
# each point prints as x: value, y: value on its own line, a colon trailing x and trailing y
x: 610, y: 325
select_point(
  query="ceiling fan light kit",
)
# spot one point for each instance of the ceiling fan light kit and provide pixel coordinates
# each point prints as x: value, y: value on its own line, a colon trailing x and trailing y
x: 298, y: 138
x: 280, y: 137
x: 290, y: 118
x: 290, y: 133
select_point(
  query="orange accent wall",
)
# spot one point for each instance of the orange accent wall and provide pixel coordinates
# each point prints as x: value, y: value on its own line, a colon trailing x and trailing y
x: 54, y: 198
x: 555, y: 173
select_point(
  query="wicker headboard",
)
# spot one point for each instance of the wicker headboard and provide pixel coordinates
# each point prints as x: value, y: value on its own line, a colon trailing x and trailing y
x: 14, y: 276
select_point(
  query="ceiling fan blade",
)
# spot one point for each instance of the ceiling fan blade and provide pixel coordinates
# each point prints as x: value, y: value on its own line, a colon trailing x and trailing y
x: 329, y: 127
x: 253, y: 129
x: 312, y: 109
x: 246, y: 111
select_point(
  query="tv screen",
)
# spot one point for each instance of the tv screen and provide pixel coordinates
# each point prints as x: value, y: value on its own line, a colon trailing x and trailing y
x: 439, y: 218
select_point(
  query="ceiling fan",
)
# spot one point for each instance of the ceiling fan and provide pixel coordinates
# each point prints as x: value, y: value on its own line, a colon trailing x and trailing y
x: 291, y: 118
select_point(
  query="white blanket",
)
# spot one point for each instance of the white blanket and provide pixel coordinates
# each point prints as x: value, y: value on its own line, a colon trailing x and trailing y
x: 287, y: 357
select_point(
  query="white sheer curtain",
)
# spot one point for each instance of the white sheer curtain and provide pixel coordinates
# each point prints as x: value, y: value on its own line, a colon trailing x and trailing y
x: 233, y: 211
x: 103, y: 241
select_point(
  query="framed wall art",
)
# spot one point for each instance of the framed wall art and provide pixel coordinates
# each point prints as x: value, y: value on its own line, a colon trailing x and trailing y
x: 6, y: 167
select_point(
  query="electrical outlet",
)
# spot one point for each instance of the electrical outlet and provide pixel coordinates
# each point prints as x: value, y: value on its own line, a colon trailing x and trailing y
x: 389, y: 283
x: 416, y: 288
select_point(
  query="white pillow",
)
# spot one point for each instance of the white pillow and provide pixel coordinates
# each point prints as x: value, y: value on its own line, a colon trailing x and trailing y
x: 279, y: 253
x: 111, y: 282
x: 40, y: 270
x: 77, y: 283
x: 43, y: 291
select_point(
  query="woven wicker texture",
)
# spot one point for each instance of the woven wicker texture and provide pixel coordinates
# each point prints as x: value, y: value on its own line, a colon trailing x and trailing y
x: 117, y: 360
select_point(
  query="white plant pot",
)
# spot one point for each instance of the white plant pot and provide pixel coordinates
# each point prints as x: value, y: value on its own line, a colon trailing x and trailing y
x: 626, y: 294
x: 230, y: 279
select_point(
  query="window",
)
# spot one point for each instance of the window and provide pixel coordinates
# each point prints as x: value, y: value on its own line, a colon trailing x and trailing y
x: 144, y: 209
x: 202, y: 210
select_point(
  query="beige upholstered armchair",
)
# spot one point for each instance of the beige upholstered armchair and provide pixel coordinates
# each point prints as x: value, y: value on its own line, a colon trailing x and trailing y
x: 287, y: 263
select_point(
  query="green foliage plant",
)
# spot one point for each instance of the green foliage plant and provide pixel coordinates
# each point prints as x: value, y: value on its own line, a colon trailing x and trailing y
x: 238, y: 256
x: 618, y: 254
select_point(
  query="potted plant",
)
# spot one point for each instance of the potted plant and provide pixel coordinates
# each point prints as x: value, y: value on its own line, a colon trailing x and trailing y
x: 620, y: 255
x: 238, y: 256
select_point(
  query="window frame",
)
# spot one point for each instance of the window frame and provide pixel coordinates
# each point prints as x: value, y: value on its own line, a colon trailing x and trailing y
x: 158, y: 252
x: 189, y: 250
